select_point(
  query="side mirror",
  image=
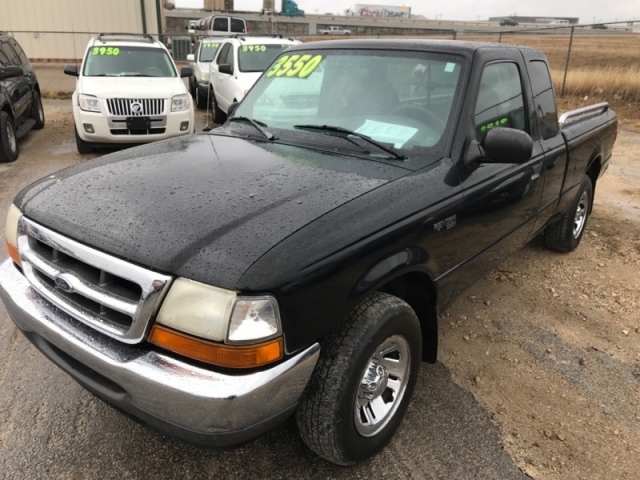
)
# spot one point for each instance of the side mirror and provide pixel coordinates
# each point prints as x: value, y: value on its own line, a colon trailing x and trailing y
x: 506, y: 145
x: 11, y: 71
x: 226, y: 69
x: 186, y: 72
x: 71, y: 70
x: 232, y: 108
x: 191, y: 57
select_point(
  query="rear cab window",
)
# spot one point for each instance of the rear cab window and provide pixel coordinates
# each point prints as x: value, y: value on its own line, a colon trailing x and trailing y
x: 220, y: 24
x: 500, y: 101
x: 238, y: 25
x: 127, y: 61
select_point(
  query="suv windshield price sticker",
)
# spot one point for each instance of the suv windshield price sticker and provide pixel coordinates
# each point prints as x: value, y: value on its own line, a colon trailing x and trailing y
x: 254, y: 48
x: 299, y: 66
x: 210, y: 45
x: 105, y: 51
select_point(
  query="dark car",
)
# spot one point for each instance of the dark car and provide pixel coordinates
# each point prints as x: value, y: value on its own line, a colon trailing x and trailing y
x: 599, y: 26
x: 295, y: 260
x: 508, y: 22
x: 20, y: 104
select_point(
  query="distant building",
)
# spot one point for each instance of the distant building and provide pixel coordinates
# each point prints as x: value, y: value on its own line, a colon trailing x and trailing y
x: 540, y: 20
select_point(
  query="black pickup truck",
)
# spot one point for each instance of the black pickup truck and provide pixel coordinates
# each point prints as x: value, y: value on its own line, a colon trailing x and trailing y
x: 20, y: 104
x: 295, y: 259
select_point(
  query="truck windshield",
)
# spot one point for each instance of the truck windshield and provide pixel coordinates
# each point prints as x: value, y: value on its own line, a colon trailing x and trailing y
x: 208, y: 51
x: 256, y: 58
x: 123, y: 61
x: 401, y: 99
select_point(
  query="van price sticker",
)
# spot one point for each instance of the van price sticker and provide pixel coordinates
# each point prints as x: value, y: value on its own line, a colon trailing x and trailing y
x: 111, y: 51
x: 298, y: 66
x: 254, y: 48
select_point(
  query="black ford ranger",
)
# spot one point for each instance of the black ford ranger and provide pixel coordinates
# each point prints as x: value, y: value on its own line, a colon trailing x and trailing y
x: 20, y: 104
x: 295, y: 259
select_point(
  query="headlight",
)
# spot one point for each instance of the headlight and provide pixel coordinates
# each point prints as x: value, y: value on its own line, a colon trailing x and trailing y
x: 204, y: 77
x: 11, y: 233
x: 222, y: 328
x: 89, y: 103
x: 179, y: 102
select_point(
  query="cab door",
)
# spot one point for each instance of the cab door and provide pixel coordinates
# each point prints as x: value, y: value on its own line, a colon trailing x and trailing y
x: 500, y: 201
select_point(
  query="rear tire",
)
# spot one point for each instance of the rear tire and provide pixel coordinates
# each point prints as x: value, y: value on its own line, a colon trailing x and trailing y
x: 219, y: 116
x: 37, y: 111
x: 363, y: 382
x: 564, y: 234
x: 83, y: 147
x: 8, y: 139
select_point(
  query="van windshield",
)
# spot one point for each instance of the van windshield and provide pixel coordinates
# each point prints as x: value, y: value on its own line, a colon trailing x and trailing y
x: 256, y: 58
x: 208, y: 51
x: 124, y: 61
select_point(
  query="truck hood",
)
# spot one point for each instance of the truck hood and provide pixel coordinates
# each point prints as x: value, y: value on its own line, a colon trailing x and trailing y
x: 205, y: 207
x: 131, y: 87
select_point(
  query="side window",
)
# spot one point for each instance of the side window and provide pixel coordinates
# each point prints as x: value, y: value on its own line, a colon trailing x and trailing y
x: 231, y: 57
x: 13, y: 56
x: 222, y: 56
x: 544, y: 99
x: 4, y: 58
x: 237, y: 25
x: 500, y: 102
x: 21, y: 56
x: 221, y: 24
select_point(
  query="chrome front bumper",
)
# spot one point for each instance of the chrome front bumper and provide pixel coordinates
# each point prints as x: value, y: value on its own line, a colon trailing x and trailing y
x: 178, y: 398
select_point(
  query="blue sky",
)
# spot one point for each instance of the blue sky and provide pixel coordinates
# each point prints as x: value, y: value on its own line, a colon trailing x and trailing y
x: 469, y: 9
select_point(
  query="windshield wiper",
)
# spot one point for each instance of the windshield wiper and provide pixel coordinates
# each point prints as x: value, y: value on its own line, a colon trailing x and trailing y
x: 257, y: 124
x: 346, y: 131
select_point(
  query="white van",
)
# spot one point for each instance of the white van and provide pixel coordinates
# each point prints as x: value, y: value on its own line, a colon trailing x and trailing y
x: 559, y: 22
x: 224, y: 26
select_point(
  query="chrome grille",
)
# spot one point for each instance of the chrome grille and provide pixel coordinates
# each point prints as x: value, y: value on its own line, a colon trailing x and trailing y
x: 111, y: 295
x: 135, y: 107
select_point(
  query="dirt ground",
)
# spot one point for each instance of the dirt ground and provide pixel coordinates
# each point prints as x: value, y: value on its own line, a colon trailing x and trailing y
x: 547, y: 343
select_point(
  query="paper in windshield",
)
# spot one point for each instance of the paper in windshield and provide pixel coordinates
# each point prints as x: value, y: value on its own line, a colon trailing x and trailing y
x: 387, y: 132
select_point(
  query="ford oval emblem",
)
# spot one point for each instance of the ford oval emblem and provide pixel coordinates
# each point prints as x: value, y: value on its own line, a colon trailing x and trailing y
x: 63, y: 284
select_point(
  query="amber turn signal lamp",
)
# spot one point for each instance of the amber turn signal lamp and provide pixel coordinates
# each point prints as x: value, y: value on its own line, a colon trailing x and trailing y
x: 13, y: 253
x: 241, y: 356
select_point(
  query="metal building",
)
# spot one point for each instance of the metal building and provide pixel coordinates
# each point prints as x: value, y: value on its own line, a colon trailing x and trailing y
x: 60, y: 29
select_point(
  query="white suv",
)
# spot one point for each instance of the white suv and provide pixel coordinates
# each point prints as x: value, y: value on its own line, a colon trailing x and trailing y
x: 129, y: 91
x: 238, y: 65
x: 199, y: 62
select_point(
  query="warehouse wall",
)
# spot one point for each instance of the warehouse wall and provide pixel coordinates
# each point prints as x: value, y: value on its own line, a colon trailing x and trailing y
x: 46, y: 29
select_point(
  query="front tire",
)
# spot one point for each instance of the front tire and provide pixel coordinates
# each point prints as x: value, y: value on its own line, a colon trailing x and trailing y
x: 219, y: 116
x: 564, y: 235
x: 363, y: 382
x: 8, y: 139
x: 201, y: 99
x: 83, y: 147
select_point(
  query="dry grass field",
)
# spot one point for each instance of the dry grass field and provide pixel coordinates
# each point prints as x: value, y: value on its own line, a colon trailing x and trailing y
x: 604, y: 66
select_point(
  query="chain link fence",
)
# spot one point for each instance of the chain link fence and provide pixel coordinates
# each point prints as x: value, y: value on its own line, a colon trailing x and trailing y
x: 599, y: 61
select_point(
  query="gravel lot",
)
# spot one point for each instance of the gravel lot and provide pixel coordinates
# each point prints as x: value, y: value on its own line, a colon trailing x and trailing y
x: 539, y: 372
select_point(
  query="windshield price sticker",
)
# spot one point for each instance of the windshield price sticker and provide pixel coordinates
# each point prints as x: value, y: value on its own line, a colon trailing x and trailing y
x: 112, y: 51
x: 298, y: 66
x: 254, y: 48
x: 210, y: 45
